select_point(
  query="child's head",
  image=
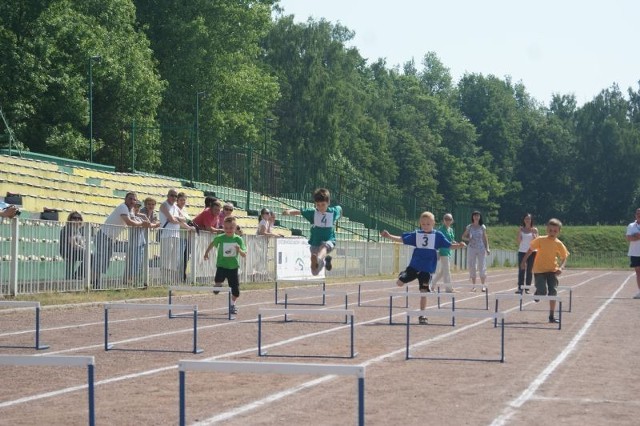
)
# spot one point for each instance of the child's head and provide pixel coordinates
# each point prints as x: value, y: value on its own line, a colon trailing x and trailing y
x: 215, y: 207
x: 427, y: 221
x: 553, y: 227
x: 322, y: 199
x: 229, y: 225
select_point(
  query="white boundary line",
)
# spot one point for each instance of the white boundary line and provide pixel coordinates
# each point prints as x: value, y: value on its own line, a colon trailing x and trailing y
x: 256, y: 404
x: 530, y: 391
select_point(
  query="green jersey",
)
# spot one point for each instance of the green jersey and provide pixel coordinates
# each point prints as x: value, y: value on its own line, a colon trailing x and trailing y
x: 323, y: 224
x: 450, y: 235
x: 227, y: 250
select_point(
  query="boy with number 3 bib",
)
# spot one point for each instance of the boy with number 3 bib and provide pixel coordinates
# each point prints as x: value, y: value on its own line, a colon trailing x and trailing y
x: 229, y: 246
x: 323, y: 234
x: 424, y: 260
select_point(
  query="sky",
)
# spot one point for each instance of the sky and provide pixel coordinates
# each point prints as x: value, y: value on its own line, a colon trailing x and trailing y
x: 561, y: 46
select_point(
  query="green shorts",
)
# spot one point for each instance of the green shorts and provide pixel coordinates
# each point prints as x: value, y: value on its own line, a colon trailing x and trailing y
x: 546, y: 283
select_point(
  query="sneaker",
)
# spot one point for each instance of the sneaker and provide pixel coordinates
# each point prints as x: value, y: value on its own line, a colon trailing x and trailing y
x: 526, y: 290
x: 314, y: 263
x: 233, y: 309
x: 422, y: 320
x: 484, y: 289
x: 518, y: 291
x: 637, y: 296
x: 327, y: 263
x: 451, y: 290
x: 473, y: 289
x: 217, y: 285
x: 553, y: 320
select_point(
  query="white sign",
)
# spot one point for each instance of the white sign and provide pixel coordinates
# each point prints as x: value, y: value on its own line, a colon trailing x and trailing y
x: 293, y: 260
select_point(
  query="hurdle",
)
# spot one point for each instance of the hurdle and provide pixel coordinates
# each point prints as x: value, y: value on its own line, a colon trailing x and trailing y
x: 302, y: 281
x: 406, y: 294
x: 348, y: 313
x: 570, y: 290
x: 36, y: 305
x: 150, y: 307
x: 197, y: 289
x: 470, y: 286
x: 60, y: 361
x: 462, y: 314
x: 521, y: 297
x: 314, y: 292
x: 269, y: 368
x: 386, y: 285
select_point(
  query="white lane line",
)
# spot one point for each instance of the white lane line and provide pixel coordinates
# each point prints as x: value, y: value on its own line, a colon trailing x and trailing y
x: 230, y: 354
x: 529, y: 392
x: 585, y: 400
x: 287, y: 392
x: 175, y: 366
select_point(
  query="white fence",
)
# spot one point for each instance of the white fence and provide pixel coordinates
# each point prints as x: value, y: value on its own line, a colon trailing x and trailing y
x: 39, y: 256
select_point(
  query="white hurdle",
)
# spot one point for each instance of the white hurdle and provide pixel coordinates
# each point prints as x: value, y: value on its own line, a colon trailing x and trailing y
x: 483, y: 287
x: 406, y: 294
x: 348, y: 313
x: 150, y: 307
x: 36, y: 305
x: 302, y: 281
x: 530, y: 297
x: 60, y: 361
x: 314, y: 292
x: 270, y: 368
x: 194, y: 289
x: 461, y: 314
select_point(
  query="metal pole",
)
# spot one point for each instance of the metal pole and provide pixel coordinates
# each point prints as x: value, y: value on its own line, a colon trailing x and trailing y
x: 133, y: 147
x: 91, y: 59
x: 198, y: 94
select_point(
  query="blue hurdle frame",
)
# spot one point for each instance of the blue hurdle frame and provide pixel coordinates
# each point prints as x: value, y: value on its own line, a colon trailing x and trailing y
x: 200, y: 288
x: 393, y: 294
x: 522, y: 297
x: 324, y: 288
x: 132, y: 306
x: 285, y: 312
x: 36, y: 305
x: 61, y: 361
x: 267, y: 367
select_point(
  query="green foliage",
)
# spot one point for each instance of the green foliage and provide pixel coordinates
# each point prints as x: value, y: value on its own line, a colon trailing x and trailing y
x: 578, y: 239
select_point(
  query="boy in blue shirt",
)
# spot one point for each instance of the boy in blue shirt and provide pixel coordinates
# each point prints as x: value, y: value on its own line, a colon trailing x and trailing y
x: 323, y: 234
x: 424, y: 260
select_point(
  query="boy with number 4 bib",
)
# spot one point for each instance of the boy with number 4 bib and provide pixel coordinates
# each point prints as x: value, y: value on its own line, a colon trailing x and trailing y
x: 229, y: 247
x: 323, y: 234
x: 424, y: 260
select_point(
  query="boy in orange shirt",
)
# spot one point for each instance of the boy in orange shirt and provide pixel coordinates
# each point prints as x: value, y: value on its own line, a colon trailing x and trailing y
x: 545, y: 267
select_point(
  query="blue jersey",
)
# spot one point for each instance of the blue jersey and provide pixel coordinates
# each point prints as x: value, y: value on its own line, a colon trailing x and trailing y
x: 425, y: 253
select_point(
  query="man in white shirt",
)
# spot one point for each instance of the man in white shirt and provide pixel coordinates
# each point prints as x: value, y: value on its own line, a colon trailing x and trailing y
x: 633, y: 236
x: 121, y: 217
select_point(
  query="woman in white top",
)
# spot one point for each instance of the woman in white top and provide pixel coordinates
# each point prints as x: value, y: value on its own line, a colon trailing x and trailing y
x: 526, y: 233
x: 477, y: 248
x: 171, y: 220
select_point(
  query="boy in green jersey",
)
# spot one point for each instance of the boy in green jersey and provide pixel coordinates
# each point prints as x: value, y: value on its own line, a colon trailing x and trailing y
x: 229, y: 246
x: 323, y: 232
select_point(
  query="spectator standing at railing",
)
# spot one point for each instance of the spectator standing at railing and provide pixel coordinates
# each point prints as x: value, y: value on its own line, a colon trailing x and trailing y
x: 227, y: 210
x: 209, y: 218
x: 8, y: 211
x: 171, y: 222
x: 444, y: 253
x: 266, y: 224
x: 185, y: 238
x: 633, y: 236
x: 109, y: 232
x: 149, y: 210
x: 135, y: 247
x: 72, y: 246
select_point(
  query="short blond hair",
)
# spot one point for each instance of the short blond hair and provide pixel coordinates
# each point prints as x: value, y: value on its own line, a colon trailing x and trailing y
x: 429, y: 215
x: 230, y: 219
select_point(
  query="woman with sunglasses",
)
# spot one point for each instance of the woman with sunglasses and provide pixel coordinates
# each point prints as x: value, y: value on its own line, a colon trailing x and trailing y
x: 72, y: 246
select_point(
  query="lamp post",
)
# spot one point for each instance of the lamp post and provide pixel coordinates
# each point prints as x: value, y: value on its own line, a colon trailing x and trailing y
x: 198, y: 94
x: 92, y: 59
x: 266, y: 124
